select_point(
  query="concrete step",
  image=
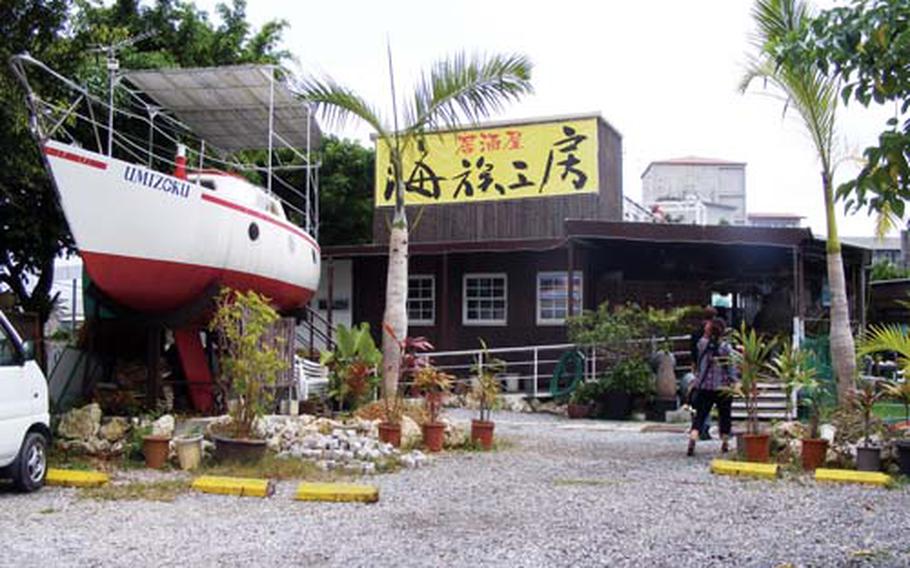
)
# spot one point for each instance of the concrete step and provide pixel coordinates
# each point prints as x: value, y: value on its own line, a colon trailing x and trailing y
x: 761, y: 415
x: 771, y: 405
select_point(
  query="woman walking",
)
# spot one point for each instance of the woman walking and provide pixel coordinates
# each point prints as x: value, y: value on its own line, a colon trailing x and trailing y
x: 713, y: 378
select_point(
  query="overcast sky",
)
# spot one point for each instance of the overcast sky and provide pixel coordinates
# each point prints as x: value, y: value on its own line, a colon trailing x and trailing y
x: 662, y: 72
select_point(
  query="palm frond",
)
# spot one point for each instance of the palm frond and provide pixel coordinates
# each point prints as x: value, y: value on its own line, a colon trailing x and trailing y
x: 462, y: 89
x: 884, y: 338
x: 338, y: 104
x: 812, y: 94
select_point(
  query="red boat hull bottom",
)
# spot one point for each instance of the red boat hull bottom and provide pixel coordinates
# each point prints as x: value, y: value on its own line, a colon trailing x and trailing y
x: 159, y: 286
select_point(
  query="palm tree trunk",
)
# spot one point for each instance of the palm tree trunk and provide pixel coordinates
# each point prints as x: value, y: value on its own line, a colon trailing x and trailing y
x: 396, y: 315
x: 843, y: 350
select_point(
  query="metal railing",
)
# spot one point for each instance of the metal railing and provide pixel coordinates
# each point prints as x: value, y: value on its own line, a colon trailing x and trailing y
x: 529, y: 369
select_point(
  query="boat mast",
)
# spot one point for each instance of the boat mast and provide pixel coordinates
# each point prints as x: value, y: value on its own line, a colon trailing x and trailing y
x: 113, y: 66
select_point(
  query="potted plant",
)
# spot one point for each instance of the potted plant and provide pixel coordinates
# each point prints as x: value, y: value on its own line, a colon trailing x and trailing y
x: 792, y: 368
x: 250, y: 363
x: 352, y: 366
x: 390, y: 426
x: 432, y: 384
x: 893, y: 339
x: 863, y: 398
x: 629, y: 379
x: 582, y: 399
x: 486, y: 393
x: 901, y: 393
x: 409, y: 350
x: 750, y: 356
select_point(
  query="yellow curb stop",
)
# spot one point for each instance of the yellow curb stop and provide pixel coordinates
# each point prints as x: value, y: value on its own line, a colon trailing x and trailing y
x: 73, y: 478
x: 850, y: 476
x: 337, y: 492
x: 744, y: 469
x: 240, y: 486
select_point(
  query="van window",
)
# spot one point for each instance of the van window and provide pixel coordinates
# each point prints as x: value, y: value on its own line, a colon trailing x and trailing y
x: 9, y: 354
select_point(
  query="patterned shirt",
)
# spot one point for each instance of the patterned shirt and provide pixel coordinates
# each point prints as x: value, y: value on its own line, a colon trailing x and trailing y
x: 714, y: 365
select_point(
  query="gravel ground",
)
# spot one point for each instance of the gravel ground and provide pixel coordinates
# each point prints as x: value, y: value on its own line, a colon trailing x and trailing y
x: 560, y: 494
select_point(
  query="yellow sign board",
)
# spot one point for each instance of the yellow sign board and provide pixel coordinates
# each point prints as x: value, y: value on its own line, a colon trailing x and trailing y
x: 492, y: 164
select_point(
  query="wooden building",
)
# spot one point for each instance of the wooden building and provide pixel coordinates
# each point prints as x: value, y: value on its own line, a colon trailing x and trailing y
x: 498, y: 268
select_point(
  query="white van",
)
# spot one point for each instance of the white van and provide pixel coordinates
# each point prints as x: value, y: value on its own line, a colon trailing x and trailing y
x: 24, y: 418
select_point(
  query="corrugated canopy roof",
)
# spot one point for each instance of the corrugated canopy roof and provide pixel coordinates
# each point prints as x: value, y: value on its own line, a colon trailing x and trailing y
x: 228, y: 107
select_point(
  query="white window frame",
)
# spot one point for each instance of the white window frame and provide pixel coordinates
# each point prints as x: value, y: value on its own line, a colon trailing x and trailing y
x: 464, y: 299
x: 581, y: 295
x: 432, y: 320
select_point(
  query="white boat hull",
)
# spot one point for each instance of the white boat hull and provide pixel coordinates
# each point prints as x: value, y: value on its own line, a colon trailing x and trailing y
x: 155, y: 243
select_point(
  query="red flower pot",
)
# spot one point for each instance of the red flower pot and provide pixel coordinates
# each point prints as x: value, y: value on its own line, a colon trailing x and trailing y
x: 578, y: 410
x: 482, y: 433
x: 434, y: 434
x: 814, y: 453
x: 390, y: 433
x: 758, y: 447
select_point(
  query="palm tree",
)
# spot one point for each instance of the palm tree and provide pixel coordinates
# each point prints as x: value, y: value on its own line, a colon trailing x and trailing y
x: 454, y: 90
x: 813, y: 96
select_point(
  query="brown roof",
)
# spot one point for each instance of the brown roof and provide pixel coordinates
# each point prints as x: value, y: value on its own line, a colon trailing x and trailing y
x: 775, y: 216
x: 606, y: 230
x: 678, y: 233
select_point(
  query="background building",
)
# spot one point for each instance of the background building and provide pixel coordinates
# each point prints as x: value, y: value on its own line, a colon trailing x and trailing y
x: 510, y: 267
x: 699, y: 191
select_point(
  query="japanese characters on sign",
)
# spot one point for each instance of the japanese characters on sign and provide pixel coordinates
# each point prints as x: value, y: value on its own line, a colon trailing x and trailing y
x: 511, y: 162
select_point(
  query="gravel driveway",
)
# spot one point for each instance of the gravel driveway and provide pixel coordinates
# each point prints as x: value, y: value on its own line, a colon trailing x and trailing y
x: 561, y: 494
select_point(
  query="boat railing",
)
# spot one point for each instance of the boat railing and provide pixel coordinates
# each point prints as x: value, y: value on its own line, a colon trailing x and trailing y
x: 126, y: 124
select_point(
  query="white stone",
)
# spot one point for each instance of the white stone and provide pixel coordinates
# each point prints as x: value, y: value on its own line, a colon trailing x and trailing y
x: 164, y: 426
x: 827, y: 432
x: 410, y: 432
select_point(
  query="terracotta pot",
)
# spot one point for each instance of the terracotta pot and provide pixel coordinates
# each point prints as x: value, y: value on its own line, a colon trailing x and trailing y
x: 868, y: 458
x: 814, y: 453
x: 758, y: 447
x: 434, y: 434
x: 903, y: 456
x: 578, y: 410
x: 238, y: 449
x: 155, y: 449
x: 390, y: 433
x: 740, y: 444
x: 482, y: 433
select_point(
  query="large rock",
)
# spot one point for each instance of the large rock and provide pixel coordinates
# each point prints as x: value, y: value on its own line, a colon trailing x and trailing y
x: 410, y: 432
x: 515, y: 403
x: 80, y: 423
x: 164, y: 426
x: 115, y: 429
x: 666, y: 375
x: 456, y: 433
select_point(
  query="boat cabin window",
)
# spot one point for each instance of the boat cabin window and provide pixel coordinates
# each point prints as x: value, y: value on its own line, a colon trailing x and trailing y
x: 208, y: 184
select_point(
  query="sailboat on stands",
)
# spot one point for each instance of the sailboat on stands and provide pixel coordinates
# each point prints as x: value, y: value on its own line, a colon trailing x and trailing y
x: 161, y: 237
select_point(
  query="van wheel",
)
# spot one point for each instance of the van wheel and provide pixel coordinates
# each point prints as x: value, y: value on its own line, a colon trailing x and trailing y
x: 30, y: 467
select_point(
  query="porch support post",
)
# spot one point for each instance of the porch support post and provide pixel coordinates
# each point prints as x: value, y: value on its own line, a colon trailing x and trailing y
x: 442, y: 300
x: 330, y: 297
x: 153, y: 379
x: 570, y: 301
